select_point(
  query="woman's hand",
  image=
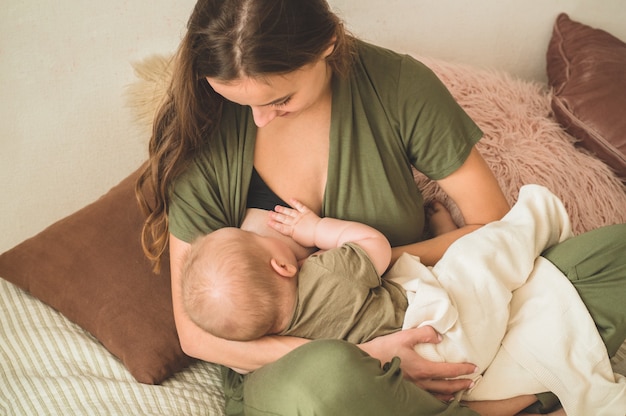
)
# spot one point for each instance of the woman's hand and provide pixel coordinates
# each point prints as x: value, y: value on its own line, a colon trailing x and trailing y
x: 430, y: 376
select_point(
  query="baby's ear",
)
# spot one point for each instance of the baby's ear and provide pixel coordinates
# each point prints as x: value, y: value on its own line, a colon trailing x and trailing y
x: 283, y: 268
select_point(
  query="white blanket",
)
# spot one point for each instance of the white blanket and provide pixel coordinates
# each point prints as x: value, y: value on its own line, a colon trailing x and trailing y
x: 501, y: 306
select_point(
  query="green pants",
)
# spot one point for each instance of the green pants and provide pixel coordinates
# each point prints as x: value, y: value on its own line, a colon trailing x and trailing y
x: 331, y: 377
x: 595, y: 263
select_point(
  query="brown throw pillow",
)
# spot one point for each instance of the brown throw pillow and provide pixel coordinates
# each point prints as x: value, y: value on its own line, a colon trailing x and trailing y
x: 90, y: 267
x: 587, y: 71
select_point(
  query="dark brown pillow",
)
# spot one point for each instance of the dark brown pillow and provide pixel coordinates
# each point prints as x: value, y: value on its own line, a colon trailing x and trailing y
x: 90, y: 267
x: 587, y: 71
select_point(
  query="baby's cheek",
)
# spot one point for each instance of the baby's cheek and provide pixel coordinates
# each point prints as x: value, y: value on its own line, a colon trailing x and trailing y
x: 303, y: 252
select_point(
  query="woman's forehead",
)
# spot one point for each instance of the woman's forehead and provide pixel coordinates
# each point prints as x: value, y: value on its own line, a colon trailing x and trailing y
x: 255, y: 91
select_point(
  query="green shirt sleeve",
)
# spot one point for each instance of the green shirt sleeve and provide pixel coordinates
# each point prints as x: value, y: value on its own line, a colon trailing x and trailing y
x: 437, y: 132
x: 212, y: 191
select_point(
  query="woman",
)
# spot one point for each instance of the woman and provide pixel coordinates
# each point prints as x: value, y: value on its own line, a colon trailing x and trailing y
x: 273, y: 100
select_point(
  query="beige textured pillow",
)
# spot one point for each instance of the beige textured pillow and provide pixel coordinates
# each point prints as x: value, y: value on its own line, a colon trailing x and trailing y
x: 587, y: 71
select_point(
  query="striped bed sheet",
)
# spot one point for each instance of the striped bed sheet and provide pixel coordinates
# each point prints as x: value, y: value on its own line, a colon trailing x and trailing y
x: 50, y: 366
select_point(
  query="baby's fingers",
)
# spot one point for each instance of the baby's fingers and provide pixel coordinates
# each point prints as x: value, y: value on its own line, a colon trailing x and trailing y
x: 283, y: 217
x: 303, y: 209
x: 281, y: 227
x: 284, y: 210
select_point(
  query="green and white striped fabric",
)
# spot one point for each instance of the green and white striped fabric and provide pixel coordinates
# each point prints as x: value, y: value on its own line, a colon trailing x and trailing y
x: 50, y: 366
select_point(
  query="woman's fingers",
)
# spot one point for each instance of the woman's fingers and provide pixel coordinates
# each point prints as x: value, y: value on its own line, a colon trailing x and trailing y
x: 444, y: 389
x: 423, y: 334
x: 444, y: 371
x: 438, y: 378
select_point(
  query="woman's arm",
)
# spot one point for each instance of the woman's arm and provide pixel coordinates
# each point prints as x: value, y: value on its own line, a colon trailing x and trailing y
x: 195, y: 342
x: 505, y: 407
x: 476, y: 192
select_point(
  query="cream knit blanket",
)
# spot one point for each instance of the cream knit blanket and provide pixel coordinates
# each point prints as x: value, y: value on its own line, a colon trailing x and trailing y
x: 503, y: 307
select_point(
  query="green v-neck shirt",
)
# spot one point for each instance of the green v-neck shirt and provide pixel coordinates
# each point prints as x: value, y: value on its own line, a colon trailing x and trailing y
x: 389, y: 114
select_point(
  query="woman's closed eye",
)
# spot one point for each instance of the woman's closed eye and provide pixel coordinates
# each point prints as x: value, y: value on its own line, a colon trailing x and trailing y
x: 282, y: 103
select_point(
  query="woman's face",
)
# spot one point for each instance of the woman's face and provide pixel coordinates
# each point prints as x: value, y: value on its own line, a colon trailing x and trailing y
x: 274, y: 96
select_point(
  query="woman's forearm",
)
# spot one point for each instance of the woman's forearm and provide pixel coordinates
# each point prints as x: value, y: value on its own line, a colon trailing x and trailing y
x: 505, y: 407
x: 430, y: 251
x: 477, y: 194
x: 197, y: 343
x: 240, y: 356
x: 243, y: 357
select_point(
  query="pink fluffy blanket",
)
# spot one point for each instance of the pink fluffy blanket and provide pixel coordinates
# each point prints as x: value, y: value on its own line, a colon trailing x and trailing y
x: 524, y: 144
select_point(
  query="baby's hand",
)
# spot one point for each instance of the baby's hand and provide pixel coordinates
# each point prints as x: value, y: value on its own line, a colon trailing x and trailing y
x: 298, y: 223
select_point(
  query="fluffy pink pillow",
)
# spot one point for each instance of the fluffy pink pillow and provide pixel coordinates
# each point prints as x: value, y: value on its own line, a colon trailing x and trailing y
x: 523, y: 144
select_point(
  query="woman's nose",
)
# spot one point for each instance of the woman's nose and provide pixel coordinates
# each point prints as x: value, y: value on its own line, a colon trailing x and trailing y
x: 262, y: 116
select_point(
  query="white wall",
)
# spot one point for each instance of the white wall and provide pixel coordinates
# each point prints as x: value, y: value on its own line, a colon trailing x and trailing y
x: 66, y: 138
x: 511, y: 35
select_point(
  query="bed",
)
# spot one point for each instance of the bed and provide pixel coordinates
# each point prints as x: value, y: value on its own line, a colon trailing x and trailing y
x: 86, y: 326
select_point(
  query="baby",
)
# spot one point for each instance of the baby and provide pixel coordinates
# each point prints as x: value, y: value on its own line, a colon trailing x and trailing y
x: 239, y: 285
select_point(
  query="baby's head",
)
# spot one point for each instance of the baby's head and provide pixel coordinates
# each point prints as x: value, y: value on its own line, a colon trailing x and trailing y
x: 231, y: 287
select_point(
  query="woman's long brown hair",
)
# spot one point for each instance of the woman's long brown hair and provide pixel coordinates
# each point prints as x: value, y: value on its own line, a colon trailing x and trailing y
x: 226, y: 40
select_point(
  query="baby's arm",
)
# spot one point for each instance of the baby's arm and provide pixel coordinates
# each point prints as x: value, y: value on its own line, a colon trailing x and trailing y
x: 308, y: 229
